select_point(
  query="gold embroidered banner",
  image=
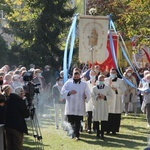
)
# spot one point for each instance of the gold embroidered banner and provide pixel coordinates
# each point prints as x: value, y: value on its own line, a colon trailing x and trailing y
x: 93, y: 32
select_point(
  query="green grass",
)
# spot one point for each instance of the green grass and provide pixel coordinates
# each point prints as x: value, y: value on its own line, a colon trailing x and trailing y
x: 133, y: 135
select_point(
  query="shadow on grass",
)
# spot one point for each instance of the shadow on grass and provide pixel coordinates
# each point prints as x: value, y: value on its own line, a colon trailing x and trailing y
x: 32, y: 143
x: 136, y: 129
x: 29, y: 143
x: 119, y: 140
x: 140, y: 117
x: 130, y: 141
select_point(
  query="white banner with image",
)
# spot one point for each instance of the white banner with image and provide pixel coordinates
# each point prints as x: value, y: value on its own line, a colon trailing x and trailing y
x: 93, y: 32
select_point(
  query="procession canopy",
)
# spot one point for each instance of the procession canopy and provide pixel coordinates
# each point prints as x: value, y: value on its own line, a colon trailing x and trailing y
x: 93, y: 34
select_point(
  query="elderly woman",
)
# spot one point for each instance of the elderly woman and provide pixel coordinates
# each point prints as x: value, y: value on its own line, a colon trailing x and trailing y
x: 39, y: 79
x: 16, y: 81
x: 130, y: 95
x: 7, y: 79
x: 6, y: 89
x: 16, y: 113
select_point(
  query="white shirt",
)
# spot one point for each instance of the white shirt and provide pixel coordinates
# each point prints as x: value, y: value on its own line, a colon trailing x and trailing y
x: 75, y: 103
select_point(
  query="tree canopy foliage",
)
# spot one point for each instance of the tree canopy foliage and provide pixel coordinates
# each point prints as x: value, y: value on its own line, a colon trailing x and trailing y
x: 4, y: 52
x: 131, y: 17
x: 3, y: 44
x: 40, y: 28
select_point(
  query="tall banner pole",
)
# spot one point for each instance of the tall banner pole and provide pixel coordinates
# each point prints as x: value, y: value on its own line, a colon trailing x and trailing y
x: 85, y: 7
x: 92, y: 49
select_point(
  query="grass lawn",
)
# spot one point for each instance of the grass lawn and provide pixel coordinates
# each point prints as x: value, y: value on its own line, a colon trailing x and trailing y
x: 133, y: 135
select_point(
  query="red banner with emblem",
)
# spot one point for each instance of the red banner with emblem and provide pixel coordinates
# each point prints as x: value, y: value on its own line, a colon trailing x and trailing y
x: 109, y: 62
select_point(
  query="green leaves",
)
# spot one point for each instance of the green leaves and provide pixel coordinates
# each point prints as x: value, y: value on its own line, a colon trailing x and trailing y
x: 131, y: 17
x: 38, y: 26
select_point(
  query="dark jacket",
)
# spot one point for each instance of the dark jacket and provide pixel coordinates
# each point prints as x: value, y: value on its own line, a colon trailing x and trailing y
x: 47, y: 76
x: 37, y: 81
x: 2, y: 114
x: 16, y: 112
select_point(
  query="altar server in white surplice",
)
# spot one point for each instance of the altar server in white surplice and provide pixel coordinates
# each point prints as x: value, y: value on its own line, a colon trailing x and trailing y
x: 89, y: 105
x: 76, y: 93
x: 118, y: 89
x: 101, y: 98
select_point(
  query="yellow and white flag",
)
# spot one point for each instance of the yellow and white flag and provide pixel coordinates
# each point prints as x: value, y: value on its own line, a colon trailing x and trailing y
x: 93, y: 32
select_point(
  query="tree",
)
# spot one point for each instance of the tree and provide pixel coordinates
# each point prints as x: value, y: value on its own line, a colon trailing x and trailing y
x: 131, y: 17
x: 40, y: 28
x: 3, y: 46
x: 4, y: 52
x: 137, y: 21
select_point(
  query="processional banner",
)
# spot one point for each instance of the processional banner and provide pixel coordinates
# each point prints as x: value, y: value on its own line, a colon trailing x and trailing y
x: 93, y: 33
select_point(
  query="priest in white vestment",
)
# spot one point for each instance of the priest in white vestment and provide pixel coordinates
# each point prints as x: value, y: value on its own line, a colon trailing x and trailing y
x: 115, y: 109
x: 76, y: 93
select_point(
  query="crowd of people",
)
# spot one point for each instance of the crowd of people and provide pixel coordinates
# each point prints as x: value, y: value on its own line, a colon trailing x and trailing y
x: 110, y: 96
x: 91, y: 96
x: 18, y: 91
